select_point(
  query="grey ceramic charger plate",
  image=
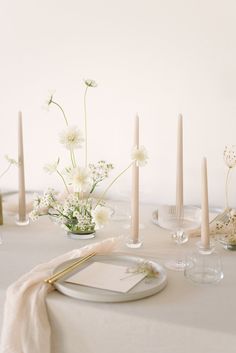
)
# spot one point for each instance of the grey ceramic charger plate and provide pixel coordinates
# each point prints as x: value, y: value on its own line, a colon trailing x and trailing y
x: 143, y: 289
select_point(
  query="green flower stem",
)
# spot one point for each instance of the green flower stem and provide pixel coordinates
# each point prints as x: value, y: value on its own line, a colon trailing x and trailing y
x: 64, y: 115
x: 105, y: 191
x: 85, y: 127
x: 226, y: 189
x: 72, y: 157
x: 55, y: 215
x: 6, y: 170
x: 63, y: 180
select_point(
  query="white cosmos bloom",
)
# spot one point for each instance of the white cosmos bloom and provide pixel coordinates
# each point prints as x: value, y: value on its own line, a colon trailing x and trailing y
x: 101, y: 215
x: 71, y: 138
x: 81, y: 179
x: 51, y: 167
x: 139, y: 155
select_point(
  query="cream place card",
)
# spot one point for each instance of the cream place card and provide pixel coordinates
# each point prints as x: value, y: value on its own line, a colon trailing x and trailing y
x: 107, y: 276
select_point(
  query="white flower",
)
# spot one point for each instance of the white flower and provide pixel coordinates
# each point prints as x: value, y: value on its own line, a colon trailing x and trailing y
x: 33, y: 215
x: 230, y: 156
x: 51, y: 168
x: 139, y: 155
x: 71, y: 137
x: 101, y: 215
x: 10, y: 160
x: 90, y: 83
x: 81, y: 179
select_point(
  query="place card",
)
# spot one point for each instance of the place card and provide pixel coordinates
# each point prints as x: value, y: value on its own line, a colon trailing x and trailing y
x: 107, y: 276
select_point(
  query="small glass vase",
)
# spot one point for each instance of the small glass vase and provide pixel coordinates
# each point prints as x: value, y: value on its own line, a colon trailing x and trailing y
x: 83, y: 229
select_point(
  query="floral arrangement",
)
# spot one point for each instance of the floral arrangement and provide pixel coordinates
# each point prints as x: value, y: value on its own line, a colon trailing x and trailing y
x: 78, y: 211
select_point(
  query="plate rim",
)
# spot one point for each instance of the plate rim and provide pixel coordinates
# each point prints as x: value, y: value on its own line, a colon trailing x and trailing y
x: 109, y: 296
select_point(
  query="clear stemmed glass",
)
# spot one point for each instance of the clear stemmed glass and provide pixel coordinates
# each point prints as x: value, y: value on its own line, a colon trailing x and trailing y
x: 189, y: 219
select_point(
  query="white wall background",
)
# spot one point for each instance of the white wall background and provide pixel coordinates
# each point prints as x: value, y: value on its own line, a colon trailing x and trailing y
x: 157, y: 58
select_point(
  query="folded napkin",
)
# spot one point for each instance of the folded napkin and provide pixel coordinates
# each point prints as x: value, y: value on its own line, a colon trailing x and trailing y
x: 26, y: 327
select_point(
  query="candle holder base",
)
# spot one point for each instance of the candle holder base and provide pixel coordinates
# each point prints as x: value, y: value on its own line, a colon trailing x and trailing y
x: 22, y: 222
x: 203, y: 268
x: 206, y: 250
x: 134, y: 244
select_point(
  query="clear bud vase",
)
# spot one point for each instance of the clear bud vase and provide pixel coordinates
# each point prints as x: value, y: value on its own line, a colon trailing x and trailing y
x: 80, y: 229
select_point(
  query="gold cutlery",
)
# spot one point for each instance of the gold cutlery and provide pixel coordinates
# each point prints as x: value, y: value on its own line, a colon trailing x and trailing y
x: 69, y: 268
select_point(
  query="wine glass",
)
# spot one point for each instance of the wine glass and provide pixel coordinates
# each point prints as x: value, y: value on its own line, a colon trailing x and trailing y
x: 169, y: 218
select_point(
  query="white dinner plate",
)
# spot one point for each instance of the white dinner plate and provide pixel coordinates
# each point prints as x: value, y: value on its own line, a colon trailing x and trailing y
x: 145, y: 288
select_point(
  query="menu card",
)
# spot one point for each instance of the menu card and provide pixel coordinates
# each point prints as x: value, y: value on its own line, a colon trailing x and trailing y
x: 106, y: 276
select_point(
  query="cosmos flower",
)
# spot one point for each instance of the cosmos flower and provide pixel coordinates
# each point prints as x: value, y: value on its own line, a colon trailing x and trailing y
x: 71, y: 138
x: 101, y: 215
x: 51, y: 168
x: 140, y: 156
x: 80, y: 179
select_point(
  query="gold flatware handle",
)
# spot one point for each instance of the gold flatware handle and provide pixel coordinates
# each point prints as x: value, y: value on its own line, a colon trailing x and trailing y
x: 69, y: 268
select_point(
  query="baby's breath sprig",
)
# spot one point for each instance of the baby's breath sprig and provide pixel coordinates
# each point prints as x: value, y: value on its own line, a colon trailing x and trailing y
x: 143, y: 266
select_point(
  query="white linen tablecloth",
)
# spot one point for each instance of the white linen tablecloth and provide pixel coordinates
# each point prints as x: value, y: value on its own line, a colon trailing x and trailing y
x: 184, y: 317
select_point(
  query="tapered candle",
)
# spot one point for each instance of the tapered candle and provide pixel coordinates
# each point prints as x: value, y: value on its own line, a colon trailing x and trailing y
x: 179, y: 169
x: 135, y: 189
x: 205, y: 241
x: 21, y: 174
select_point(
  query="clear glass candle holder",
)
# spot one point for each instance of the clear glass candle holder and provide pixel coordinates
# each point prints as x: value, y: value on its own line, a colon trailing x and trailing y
x: 203, y: 268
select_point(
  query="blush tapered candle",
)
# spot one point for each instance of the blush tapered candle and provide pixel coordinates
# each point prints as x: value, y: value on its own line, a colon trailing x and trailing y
x: 21, y: 172
x: 135, y: 189
x: 179, y: 169
x: 205, y: 241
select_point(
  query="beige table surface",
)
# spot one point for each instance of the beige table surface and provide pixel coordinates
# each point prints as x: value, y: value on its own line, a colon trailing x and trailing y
x: 183, y: 318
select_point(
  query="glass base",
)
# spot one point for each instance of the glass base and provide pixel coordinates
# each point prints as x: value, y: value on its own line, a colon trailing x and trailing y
x: 82, y: 236
x: 203, y: 268
x: 175, y: 265
x: 208, y: 276
x: 22, y: 222
x: 224, y: 240
x: 205, y: 250
x: 134, y: 244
